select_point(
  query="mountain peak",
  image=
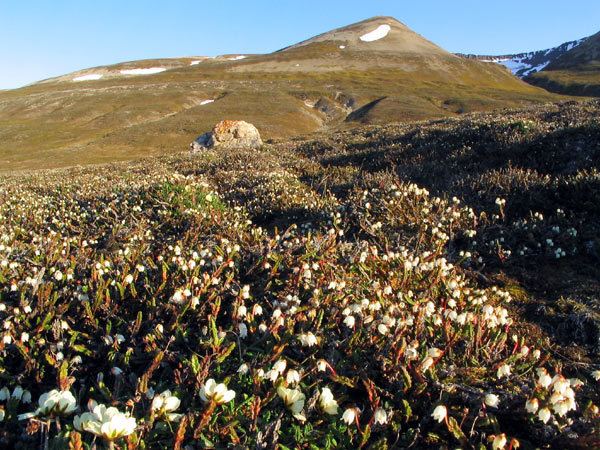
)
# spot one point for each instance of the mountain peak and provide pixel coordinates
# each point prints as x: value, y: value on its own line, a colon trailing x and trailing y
x: 380, y: 33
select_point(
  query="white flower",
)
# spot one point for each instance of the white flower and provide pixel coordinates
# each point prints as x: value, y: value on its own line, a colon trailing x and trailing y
x: 242, y: 311
x: 308, y: 339
x: 596, y: 375
x: 427, y: 363
x: 532, y: 405
x: 544, y: 380
x: 411, y: 353
x: 562, y: 407
x: 544, y: 415
x: 383, y: 329
x: 503, y: 371
x: 381, y: 416
x: 293, y: 400
x: 349, y: 416
x: 434, y: 352
x: 17, y: 393
x: 492, y: 400
x: 2, y: 415
x: 129, y: 279
x: 26, y: 398
x: 499, y: 442
x: 321, y: 365
x: 4, y: 394
x: 243, y: 330
x: 349, y: 321
x: 561, y: 384
x: 575, y: 382
x: 292, y: 377
x: 52, y: 404
x: 178, y: 296
x: 243, y: 369
x: 218, y: 393
x: 279, y: 366
x: 327, y: 402
x: 107, y: 423
x: 440, y: 413
x: 58, y: 276
x: 165, y: 405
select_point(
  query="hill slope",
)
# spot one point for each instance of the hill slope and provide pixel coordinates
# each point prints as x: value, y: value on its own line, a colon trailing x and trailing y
x: 376, y: 71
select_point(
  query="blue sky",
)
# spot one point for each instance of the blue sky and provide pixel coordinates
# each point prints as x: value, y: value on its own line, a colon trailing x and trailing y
x: 45, y: 38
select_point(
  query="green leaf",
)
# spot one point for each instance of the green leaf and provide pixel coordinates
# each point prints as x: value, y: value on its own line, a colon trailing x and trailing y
x: 226, y: 354
x: 195, y: 363
x: 406, y: 378
x: 454, y: 428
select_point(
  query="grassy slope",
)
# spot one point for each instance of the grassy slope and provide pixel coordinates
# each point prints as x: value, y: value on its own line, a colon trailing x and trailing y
x: 584, y: 83
x: 60, y: 123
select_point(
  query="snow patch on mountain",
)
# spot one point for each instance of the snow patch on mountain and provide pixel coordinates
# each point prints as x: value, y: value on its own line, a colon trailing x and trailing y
x: 89, y: 77
x: 149, y: 71
x: 206, y: 102
x: 237, y: 58
x: 379, y: 33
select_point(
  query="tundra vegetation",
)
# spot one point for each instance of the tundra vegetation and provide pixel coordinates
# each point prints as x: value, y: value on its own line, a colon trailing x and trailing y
x: 425, y: 285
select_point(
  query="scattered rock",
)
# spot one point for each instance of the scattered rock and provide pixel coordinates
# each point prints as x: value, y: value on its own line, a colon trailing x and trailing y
x: 229, y: 134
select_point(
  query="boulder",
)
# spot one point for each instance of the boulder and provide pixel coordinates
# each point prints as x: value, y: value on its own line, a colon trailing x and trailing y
x: 229, y: 134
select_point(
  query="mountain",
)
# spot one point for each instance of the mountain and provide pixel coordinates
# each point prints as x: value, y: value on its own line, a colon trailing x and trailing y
x: 577, y: 72
x: 572, y: 68
x: 528, y: 63
x: 376, y: 71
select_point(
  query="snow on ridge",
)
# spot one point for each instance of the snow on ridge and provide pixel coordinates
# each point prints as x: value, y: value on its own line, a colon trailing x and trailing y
x: 525, y: 64
x: 195, y: 63
x: 89, y: 77
x: 206, y: 102
x: 536, y: 68
x: 379, y: 33
x: 237, y: 58
x: 148, y: 71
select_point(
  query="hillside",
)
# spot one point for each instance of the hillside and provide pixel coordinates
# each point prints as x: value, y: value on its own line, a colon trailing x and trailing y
x: 584, y: 57
x: 577, y: 72
x: 157, y: 107
x: 427, y: 285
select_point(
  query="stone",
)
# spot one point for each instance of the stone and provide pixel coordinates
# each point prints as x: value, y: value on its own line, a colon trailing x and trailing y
x: 229, y: 134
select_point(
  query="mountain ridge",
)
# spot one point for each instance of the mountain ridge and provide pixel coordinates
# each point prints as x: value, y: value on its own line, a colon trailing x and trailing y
x: 527, y: 63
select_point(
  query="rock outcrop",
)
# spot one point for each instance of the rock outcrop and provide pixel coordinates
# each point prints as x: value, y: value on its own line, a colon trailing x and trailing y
x: 229, y: 134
